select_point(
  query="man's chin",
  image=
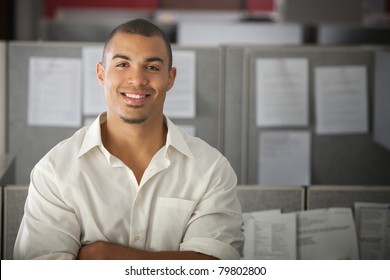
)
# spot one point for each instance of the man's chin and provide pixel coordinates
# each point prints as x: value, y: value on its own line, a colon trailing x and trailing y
x: 133, y: 120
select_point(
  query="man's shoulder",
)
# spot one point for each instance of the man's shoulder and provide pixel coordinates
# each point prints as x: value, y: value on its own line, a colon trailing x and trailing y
x: 201, y: 149
x: 67, y: 149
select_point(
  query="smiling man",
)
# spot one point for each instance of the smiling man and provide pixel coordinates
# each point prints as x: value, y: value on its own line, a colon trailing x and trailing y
x: 132, y: 185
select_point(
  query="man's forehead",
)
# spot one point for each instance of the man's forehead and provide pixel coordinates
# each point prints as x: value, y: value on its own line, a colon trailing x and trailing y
x: 120, y: 46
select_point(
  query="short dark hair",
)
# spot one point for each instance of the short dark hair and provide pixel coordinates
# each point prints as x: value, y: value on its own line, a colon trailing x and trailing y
x: 140, y: 27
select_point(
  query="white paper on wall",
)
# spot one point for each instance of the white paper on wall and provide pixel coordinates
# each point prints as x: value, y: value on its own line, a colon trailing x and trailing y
x: 54, y: 92
x: 282, y: 92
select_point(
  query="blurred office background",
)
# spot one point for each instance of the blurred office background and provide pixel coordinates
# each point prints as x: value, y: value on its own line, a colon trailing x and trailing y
x: 333, y: 150
x: 56, y: 19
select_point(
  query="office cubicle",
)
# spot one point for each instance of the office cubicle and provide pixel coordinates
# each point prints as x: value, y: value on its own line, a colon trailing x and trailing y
x: 332, y: 157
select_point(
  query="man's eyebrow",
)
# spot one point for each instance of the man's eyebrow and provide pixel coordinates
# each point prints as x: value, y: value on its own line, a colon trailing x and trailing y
x: 149, y: 59
x: 153, y: 59
x: 121, y: 56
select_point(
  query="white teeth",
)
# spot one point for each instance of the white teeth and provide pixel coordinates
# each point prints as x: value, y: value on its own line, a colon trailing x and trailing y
x: 136, y: 96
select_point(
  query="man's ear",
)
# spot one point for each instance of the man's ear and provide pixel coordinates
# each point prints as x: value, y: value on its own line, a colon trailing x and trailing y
x: 100, y: 73
x: 171, y: 78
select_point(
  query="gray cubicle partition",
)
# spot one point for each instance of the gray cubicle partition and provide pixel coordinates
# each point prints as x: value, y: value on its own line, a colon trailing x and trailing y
x: 235, y: 83
x: 345, y: 196
x: 336, y: 159
x: 382, y: 99
x: 14, y: 200
x: 261, y: 198
x: 209, y: 122
x: 30, y: 143
x: 7, y: 170
x: 3, y: 87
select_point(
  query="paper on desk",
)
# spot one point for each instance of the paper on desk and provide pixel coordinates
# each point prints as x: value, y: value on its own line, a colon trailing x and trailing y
x: 326, y: 234
x: 281, y: 91
x: 93, y: 98
x: 373, y: 230
x: 180, y: 101
x: 269, y: 235
x: 341, y: 99
x: 54, y: 93
x: 284, y: 157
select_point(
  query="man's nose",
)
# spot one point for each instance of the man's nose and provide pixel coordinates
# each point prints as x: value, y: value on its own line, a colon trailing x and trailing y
x: 137, y: 77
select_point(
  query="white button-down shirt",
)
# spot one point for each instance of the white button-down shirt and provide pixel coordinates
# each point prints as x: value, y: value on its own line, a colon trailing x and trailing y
x: 79, y: 193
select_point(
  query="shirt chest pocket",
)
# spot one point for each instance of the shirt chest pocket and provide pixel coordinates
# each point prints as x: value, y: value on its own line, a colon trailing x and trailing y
x: 170, y: 219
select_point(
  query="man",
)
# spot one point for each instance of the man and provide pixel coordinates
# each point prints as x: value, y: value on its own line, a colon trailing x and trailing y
x: 132, y: 185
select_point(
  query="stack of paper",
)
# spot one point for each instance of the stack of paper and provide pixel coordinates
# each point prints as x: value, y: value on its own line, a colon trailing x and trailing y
x: 307, y: 235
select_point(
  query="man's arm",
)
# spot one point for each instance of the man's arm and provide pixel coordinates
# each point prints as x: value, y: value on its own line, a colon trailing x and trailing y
x: 101, y: 250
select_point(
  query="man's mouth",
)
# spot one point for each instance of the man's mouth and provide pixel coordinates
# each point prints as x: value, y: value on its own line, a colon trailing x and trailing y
x: 134, y: 98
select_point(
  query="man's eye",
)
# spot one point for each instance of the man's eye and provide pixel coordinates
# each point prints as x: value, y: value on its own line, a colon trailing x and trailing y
x: 153, y: 68
x: 123, y: 64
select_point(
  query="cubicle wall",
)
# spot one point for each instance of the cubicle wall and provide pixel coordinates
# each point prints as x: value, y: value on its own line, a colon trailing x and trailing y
x: 382, y: 99
x: 345, y: 196
x: 226, y: 111
x: 14, y: 199
x: 7, y: 170
x: 253, y: 198
x: 235, y: 86
x: 28, y: 143
x: 3, y: 97
x: 335, y: 158
x: 261, y: 198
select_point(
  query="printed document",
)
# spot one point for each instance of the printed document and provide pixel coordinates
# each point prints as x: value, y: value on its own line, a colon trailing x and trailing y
x: 93, y: 101
x: 341, y: 99
x: 327, y: 234
x: 282, y: 92
x: 180, y: 101
x: 269, y: 235
x: 373, y: 230
x: 54, y: 92
x: 284, y: 157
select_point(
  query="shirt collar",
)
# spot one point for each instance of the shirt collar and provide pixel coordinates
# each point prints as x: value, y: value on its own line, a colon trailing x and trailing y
x: 175, y: 137
x: 93, y: 136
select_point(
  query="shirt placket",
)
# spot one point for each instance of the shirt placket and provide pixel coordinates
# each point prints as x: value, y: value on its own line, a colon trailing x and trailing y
x: 141, y: 207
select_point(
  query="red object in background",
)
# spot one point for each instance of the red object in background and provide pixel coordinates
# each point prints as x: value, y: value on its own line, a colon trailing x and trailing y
x: 51, y: 6
x: 260, y: 5
x: 388, y: 6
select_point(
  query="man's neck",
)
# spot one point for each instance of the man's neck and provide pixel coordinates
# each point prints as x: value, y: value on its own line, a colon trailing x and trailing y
x: 134, y: 144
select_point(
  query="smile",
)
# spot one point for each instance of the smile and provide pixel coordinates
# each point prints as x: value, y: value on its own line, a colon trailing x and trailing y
x: 135, y: 99
x: 136, y: 96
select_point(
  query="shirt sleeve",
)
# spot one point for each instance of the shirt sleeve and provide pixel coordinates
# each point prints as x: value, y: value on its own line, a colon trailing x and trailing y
x: 49, y: 228
x: 215, y: 228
